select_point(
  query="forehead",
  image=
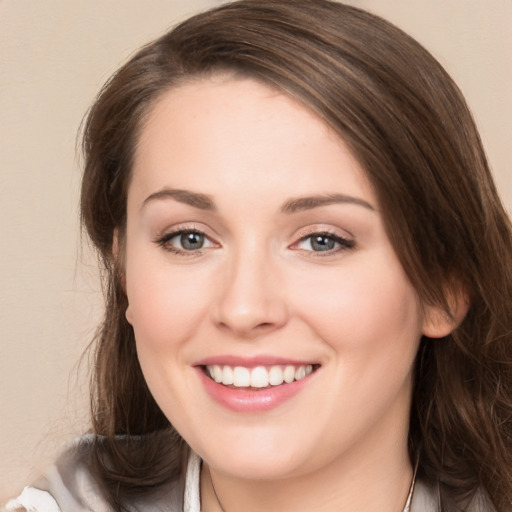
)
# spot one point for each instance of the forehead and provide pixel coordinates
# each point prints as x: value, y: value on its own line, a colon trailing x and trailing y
x: 234, y: 130
x: 244, y: 102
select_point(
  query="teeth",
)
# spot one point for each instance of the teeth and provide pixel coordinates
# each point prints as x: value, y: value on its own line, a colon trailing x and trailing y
x: 275, y: 376
x: 289, y: 374
x: 227, y: 375
x: 258, y: 377
x: 217, y: 373
x: 241, y: 377
x: 300, y: 373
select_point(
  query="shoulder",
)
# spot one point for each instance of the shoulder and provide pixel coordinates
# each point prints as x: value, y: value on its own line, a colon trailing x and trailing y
x: 426, y: 498
x: 32, y: 500
x: 69, y: 486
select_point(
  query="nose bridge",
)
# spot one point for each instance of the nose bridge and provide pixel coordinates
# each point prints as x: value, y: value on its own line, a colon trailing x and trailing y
x: 250, y: 299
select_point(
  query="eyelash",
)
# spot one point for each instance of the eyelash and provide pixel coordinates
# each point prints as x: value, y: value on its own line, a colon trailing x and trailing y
x: 164, y: 242
x: 343, y: 243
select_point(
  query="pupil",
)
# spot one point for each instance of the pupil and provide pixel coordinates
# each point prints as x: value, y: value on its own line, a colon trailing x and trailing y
x: 192, y: 241
x: 322, y: 243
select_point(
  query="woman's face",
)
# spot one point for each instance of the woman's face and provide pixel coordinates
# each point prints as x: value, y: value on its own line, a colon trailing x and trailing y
x: 256, y: 252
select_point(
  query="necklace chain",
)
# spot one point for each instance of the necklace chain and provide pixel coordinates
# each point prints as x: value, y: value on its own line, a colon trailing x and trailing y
x: 214, y: 491
x: 407, y: 504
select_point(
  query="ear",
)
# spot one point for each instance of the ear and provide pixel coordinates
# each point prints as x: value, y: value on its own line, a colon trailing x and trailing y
x: 129, y: 315
x: 438, y: 322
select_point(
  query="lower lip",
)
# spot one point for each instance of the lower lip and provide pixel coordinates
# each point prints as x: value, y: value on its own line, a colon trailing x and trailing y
x: 249, y: 401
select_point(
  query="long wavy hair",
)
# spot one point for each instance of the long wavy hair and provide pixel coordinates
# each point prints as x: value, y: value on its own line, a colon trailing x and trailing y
x: 409, y: 127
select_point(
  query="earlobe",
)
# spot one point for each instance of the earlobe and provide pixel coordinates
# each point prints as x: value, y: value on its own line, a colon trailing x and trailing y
x: 438, y: 323
x: 129, y: 315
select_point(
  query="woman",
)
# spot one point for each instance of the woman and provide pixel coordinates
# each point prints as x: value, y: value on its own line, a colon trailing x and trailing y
x: 307, y: 270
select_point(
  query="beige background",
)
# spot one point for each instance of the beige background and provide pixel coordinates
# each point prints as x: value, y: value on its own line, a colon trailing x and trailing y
x: 54, y: 56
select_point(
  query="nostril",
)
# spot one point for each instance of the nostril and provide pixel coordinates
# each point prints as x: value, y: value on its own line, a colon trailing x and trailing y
x: 264, y: 325
x: 247, y: 326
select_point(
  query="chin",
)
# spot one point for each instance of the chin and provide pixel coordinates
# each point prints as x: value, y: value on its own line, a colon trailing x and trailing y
x: 264, y: 467
x: 259, y: 456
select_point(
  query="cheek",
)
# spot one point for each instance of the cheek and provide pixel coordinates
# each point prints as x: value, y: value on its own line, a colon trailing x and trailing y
x: 369, y: 308
x: 165, y: 303
x: 166, y: 306
x: 371, y: 322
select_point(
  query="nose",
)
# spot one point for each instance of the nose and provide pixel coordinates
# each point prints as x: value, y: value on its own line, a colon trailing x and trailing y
x: 251, y: 296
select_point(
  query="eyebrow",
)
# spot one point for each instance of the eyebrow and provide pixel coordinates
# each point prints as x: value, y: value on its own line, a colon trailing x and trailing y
x: 195, y: 199
x: 205, y: 202
x: 310, y: 202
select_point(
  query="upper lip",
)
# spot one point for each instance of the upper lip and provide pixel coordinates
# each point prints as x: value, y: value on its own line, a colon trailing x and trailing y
x: 251, y: 361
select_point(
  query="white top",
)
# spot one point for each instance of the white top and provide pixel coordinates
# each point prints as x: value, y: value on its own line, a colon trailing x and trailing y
x: 34, y: 500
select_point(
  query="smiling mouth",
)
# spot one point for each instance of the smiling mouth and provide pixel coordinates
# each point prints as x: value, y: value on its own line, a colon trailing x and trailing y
x: 259, y: 377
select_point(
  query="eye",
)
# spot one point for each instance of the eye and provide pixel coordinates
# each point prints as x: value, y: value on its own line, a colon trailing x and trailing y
x: 324, y: 243
x: 185, y: 241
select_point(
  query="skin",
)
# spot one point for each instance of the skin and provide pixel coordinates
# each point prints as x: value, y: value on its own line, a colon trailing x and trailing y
x: 258, y: 287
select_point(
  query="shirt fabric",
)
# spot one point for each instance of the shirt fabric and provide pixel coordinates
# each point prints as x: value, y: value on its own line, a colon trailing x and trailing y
x: 69, y: 487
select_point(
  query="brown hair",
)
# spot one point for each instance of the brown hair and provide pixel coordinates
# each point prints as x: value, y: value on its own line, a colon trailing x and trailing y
x: 408, y: 125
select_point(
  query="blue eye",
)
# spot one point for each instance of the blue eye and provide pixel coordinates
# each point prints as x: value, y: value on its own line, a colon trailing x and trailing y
x: 185, y: 241
x: 190, y: 241
x: 324, y: 242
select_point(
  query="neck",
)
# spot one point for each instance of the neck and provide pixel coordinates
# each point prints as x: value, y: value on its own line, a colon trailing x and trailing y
x: 380, y: 480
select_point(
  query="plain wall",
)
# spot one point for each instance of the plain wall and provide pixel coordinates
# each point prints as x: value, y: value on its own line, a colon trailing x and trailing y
x: 54, y: 57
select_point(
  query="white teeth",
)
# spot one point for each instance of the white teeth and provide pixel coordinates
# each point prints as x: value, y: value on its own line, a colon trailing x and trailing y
x: 300, y: 373
x: 289, y: 374
x: 258, y: 377
x: 241, y: 377
x: 227, y: 375
x: 275, y: 376
x: 217, y: 373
